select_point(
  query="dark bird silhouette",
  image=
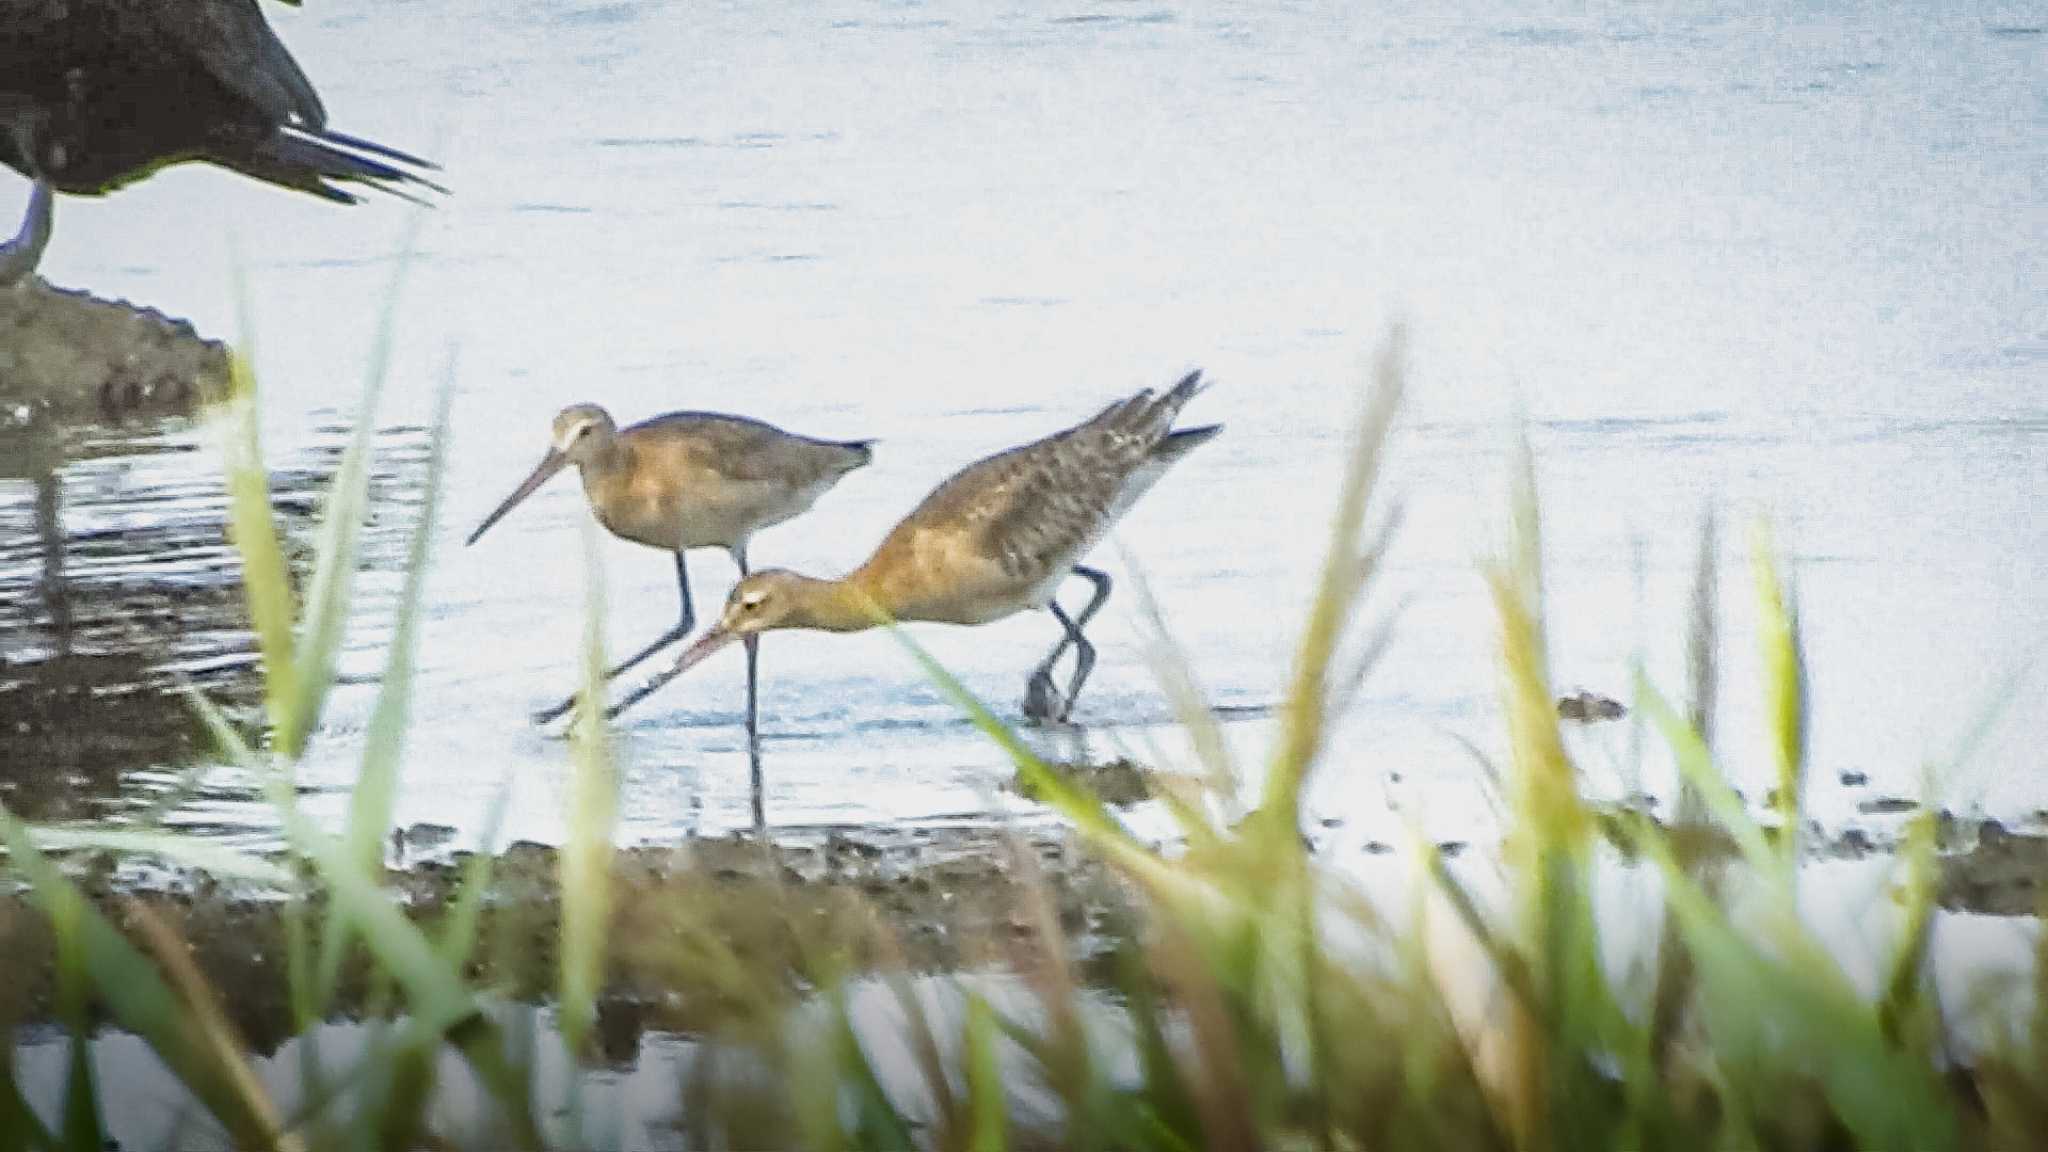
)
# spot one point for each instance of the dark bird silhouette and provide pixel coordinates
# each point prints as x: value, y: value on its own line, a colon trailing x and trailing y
x: 98, y: 94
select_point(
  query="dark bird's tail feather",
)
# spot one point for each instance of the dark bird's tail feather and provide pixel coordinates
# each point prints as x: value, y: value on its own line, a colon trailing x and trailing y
x: 319, y: 161
x: 376, y: 149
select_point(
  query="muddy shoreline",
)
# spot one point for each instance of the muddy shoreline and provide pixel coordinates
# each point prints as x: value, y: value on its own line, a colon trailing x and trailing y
x: 923, y: 899
x: 71, y: 356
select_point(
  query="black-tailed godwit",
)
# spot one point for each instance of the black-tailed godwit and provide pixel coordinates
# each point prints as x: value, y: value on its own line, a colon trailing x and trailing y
x: 687, y: 480
x: 995, y: 539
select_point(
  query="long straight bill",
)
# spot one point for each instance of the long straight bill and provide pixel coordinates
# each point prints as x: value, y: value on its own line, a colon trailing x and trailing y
x: 550, y: 464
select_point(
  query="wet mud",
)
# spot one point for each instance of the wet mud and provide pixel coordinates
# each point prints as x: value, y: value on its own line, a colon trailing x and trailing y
x: 928, y: 899
x: 931, y: 899
x: 72, y: 356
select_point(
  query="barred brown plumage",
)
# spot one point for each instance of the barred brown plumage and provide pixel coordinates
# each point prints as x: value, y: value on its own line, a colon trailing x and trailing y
x: 996, y: 538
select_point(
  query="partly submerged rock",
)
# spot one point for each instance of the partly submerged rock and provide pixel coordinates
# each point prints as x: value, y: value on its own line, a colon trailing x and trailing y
x: 1589, y: 708
x: 73, y: 356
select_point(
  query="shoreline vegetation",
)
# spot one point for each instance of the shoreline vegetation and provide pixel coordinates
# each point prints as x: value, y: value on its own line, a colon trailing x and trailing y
x: 951, y: 896
x: 1259, y: 997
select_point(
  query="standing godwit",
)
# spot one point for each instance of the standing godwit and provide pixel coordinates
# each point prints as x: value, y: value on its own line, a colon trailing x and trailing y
x: 995, y: 539
x: 95, y: 94
x: 687, y: 480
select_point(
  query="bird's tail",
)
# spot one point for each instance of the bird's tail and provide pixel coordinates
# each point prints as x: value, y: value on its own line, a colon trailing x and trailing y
x: 860, y: 453
x: 1182, y: 441
x: 1148, y: 415
x: 319, y: 161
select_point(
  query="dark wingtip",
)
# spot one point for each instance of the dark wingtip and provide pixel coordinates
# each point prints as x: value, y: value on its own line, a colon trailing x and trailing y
x: 376, y: 149
x: 864, y: 449
x: 1181, y: 441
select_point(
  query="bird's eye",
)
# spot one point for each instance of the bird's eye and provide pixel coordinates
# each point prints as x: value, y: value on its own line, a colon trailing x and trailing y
x: 751, y: 601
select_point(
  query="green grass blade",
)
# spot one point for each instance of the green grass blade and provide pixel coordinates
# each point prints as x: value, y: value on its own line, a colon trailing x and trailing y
x: 434, y: 991
x: 1176, y: 675
x: 376, y: 790
x: 1784, y: 662
x: 20, y: 1128
x: 1164, y: 1083
x: 81, y: 1131
x: 459, y: 931
x: 985, y: 1090
x: 327, y: 600
x: 1086, y: 810
x: 586, y: 860
x: 266, y: 583
x: 136, y: 995
x: 190, y: 851
x: 948, y: 1112
x: 1901, y: 1013
x: 1799, y: 998
x: 1696, y: 767
x: 1306, y: 708
x: 438, y: 999
x: 326, y: 614
x: 877, y: 1123
x: 1674, y: 979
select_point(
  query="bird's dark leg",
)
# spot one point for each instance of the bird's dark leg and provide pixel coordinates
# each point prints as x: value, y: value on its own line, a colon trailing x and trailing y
x: 1042, y: 701
x: 682, y: 629
x: 687, y: 621
x: 753, y: 643
x: 19, y: 256
x: 655, y: 682
x: 1084, y: 652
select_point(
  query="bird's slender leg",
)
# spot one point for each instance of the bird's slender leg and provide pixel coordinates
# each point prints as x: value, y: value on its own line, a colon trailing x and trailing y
x: 684, y: 623
x: 682, y: 629
x: 19, y: 256
x: 1041, y: 699
x: 753, y: 643
x: 1084, y: 652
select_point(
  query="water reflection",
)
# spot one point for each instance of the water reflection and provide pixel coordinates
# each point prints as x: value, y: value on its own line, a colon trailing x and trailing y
x: 117, y: 582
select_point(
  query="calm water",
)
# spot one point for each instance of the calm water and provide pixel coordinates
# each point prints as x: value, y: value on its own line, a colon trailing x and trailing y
x: 1788, y: 261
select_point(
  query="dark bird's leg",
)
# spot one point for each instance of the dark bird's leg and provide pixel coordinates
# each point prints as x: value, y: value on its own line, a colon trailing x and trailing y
x: 753, y: 643
x: 19, y: 256
x: 655, y: 682
x: 1042, y: 701
x: 682, y: 629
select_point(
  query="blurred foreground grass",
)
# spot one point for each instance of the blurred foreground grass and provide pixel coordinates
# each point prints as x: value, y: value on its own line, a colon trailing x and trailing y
x: 1259, y: 999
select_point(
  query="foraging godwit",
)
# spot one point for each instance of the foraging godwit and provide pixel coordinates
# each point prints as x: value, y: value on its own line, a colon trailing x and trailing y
x: 95, y: 94
x: 687, y: 480
x: 994, y: 540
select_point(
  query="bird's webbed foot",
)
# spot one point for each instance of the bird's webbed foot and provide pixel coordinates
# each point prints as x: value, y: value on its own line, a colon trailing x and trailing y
x: 1043, y: 703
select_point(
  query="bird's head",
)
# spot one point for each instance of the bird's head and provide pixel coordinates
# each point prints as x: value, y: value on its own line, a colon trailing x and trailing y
x: 581, y: 430
x: 774, y: 599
